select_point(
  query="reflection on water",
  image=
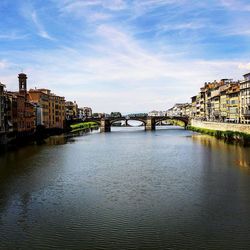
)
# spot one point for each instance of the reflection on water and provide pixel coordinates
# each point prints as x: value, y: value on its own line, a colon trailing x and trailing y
x: 128, y: 189
x: 241, y: 154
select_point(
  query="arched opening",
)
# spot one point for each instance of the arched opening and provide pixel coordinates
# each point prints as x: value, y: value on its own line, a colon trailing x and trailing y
x: 127, y: 124
x: 168, y: 122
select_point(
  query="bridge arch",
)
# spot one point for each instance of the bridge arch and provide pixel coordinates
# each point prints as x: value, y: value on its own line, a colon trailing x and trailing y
x: 177, y: 118
x: 128, y: 119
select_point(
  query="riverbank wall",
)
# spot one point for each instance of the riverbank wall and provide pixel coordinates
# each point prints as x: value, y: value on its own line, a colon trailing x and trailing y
x: 230, y: 132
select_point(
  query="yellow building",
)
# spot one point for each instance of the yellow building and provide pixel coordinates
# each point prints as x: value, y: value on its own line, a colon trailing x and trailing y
x: 51, y: 106
x: 245, y: 99
x: 215, y: 104
x: 233, y: 103
x: 56, y: 111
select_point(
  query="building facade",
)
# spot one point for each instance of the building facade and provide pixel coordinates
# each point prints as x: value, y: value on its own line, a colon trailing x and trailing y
x: 87, y: 111
x: 2, y: 108
x: 11, y: 112
x: 50, y: 108
x: 56, y: 111
x: 40, y: 99
x: 245, y: 99
x: 71, y: 110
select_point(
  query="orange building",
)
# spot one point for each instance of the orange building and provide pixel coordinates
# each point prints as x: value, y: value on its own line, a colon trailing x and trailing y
x: 50, y: 108
x: 40, y: 99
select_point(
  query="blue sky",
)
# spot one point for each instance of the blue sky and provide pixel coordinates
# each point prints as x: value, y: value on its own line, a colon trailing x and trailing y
x: 124, y: 55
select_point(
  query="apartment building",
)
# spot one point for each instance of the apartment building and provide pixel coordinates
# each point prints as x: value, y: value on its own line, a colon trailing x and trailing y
x: 155, y: 113
x: 245, y: 99
x: 2, y: 108
x: 87, y: 111
x: 56, y: 111
x: 233, y: 103
x: 50, y: 108
x: 71, y: 110
x: 11, y: 112
x: 193, y: 106
x: 199, y: 102
x: 40, y: 99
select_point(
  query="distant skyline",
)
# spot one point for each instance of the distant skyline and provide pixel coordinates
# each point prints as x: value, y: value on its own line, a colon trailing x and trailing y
x: 127, y: 56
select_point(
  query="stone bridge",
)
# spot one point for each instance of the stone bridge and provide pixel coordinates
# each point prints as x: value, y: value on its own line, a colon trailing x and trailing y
x: 148, y: 121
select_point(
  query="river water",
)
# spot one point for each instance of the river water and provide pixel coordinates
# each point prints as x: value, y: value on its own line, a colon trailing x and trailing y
x: 128, y: 189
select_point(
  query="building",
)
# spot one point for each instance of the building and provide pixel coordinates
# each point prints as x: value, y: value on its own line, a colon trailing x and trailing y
x: 224, y: 102
x: 11, y: 112
x: 193, y: 106
x: 71, y: 110
x: 2, y: 108
x: 215, y: 104
x: 233, y: 103
x: 56, y: 111
x: 80, y: 113
x: 208, y: 88
x: 186, y: 110
x: 179, y: 109
x: 157, y: 113
x: 50, y: 108
x: 40, y: 99
x: 245, y: 99
x: 87, y: 112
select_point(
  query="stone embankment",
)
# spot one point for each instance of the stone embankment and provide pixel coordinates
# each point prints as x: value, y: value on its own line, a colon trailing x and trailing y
x: 230, y: 132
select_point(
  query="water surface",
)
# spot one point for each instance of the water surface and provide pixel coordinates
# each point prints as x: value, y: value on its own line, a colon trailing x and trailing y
x: 128, y: 189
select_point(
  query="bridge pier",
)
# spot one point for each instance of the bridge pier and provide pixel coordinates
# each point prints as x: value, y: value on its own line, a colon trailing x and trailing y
x: 150, y: 124
x: 105, y: 125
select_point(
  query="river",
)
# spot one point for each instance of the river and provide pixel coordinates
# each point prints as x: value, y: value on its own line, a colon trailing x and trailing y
x: 128, y: 189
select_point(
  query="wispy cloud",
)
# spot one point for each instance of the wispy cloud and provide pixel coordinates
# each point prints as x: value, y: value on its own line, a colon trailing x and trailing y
x: 13, y: 36
x: 236, y: 5
x: 40, y: 27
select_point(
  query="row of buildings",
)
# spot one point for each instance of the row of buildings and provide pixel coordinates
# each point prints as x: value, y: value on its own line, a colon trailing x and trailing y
x: 23, y: 111
x: 223, y: 101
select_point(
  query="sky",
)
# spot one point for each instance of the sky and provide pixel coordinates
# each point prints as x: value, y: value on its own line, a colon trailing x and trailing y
x: 124, y: 55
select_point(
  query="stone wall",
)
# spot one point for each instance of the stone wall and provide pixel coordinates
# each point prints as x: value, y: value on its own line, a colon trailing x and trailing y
x: 221, y: 126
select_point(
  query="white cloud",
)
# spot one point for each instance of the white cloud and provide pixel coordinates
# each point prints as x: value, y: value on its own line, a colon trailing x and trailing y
x: 78, y: 5
x: 237, y: 5
x: 13, y: 36
x: 245, y: 66
x: 40, y: 28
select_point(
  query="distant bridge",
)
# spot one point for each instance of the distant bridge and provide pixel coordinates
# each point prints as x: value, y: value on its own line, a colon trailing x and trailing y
x: 148, y: 121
